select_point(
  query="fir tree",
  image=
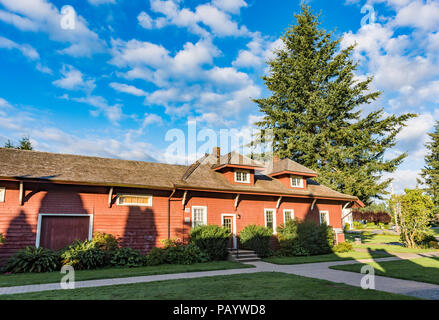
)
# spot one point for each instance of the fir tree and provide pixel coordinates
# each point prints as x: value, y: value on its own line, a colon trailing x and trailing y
x: 430, y: 173
x: 23, y: 144
x: 315, y: 116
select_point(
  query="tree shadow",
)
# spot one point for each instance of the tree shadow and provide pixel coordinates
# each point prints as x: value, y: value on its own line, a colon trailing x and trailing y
x: 140, y: 231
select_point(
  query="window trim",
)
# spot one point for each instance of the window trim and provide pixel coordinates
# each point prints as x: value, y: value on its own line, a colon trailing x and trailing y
x: 241, y: 170
x: 204, y: 217
x: 274, y: 219
x: 291, y: 214
x: 320, y: 216
x: 149, y: 204
x: 301, y: 181
x: 2, y: 194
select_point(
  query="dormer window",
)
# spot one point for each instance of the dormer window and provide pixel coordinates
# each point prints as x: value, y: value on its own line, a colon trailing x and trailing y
x: 296, y: 182
x: 242, y: 176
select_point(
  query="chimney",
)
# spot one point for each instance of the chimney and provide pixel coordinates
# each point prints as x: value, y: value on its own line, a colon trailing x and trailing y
x: 276, y: 159
x: 217, y: 153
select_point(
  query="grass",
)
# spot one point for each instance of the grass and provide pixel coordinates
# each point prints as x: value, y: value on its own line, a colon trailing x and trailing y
x: 393, y: 248
x: 7, y: 280
x: 373, y: 238
x: 257, y: 286
x: 435, y: 231
x: 420, y: 269
x: 353, y: 255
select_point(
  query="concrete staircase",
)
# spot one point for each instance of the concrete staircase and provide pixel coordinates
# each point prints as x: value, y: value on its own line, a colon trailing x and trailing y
x: 243, y: 255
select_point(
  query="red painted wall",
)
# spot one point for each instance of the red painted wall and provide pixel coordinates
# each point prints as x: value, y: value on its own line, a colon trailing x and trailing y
x: 139, y: 227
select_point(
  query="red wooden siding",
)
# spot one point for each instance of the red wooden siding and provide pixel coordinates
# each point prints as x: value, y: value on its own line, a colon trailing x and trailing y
x: 60, y: 231
x: 138, y: 227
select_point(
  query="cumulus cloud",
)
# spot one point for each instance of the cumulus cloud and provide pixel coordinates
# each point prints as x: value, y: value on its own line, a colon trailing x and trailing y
x: 43, y: 16
x: 122, y: 87
x: 73, y: 79
x: 112, y: 112
x: 213, y: 17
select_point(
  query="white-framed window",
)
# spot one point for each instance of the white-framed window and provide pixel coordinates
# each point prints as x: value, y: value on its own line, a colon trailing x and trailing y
x: 134, y: 200
x: 2, y: 194
x: 242, y: 176
x: 199, y: 216
x: 270, y: 219
x: 296, y: 181
x: 324, y: 217
x: 288, y: 215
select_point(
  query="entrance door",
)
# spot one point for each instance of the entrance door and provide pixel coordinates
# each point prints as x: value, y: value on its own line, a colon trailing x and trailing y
x: 229, y: 222
x: 57, y: 232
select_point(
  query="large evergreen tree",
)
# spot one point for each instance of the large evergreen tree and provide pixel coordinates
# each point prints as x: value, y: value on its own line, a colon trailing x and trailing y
x: 315, y: 117
x: 430, y: 173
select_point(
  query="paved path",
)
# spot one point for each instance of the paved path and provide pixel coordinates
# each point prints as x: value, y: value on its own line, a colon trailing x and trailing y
x: 311, y: 270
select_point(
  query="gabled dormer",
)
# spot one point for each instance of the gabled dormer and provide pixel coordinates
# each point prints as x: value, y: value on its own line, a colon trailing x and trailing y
x: 292, y: 174
x: 236, y: 168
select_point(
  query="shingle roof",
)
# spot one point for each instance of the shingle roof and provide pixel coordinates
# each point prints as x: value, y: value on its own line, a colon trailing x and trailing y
x: 66, y: 168
x: 235, y: 158
x: 289, y: 165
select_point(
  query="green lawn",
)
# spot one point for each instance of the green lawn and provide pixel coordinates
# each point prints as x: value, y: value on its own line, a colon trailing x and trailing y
x: 7, y: 280
x: 327, y: 257
x: 260, y: 286
x: 420, y: 269
x: 373, y: 238
x: 393, y: 248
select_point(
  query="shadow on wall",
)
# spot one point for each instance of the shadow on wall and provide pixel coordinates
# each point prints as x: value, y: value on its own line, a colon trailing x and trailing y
x: 140, y: 232
x: 19, y: 234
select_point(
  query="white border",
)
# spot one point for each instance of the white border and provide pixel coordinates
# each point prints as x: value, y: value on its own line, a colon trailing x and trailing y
x: 2, y: 194
x: 149, y: 196
x: 292, y: 214
x: 205, y: 214
x: 233, y: 215
x: 274, y: 219
x: 90, y: 224
x: 248, y: 175
x: 320, y: 216
x: 301, y: 181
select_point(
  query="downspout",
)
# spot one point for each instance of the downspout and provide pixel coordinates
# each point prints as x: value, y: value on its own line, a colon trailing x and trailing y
x: 169, y: 213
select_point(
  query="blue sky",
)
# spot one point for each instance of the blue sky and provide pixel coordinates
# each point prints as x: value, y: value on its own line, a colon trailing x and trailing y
x: 129, y: 71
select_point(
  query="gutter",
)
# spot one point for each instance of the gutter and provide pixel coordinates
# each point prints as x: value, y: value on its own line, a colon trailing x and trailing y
x: 169, y: 213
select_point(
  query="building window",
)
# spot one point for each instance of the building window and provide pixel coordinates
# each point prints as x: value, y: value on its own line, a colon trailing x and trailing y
x: 288, y: 215
x: 270, y: 219
x: 324, y: 217
x: 199, y: 216
x: 2, y: 194
x: 134, y: 200
x: 242, y: 176
x: 296, y: 182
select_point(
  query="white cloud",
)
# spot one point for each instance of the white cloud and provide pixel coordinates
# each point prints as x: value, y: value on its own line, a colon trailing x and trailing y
x: 212, y: 16
x: 151, y: 119
x: 122, y: 87
x: 27, y: 50
x: 43, y: 16
x: 99, y: 2
x: 73, y: 79
x: 112, y: 112
x: 228, y: 76
x: 419, y: 14
x: 232, y: 6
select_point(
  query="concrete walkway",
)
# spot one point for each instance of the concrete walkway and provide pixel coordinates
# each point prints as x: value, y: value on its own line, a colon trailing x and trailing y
x: 311, y: 270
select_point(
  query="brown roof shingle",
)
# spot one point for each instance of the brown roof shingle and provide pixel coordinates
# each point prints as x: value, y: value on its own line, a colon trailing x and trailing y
x: 66, y: 168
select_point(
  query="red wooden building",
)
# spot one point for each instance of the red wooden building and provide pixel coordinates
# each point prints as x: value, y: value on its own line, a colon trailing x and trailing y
x: 49, y: 199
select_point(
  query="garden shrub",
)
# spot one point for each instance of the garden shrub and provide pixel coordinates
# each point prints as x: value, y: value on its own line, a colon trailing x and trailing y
x: 342, y: 247
x: 212, y: 239
x: 427, y: 240
x: 175, y: 252
x: 127, y: 257
x: 84, y: 255
x: 305, y: 237
x: 155, y: 257
x: 105, y: 241
x: 256, y: 238
x: 31, y: 259
x: 2, y: 238
x: 347, y: 226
